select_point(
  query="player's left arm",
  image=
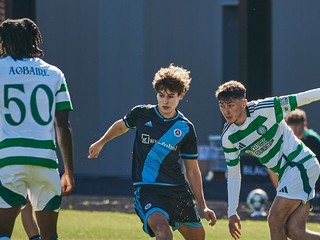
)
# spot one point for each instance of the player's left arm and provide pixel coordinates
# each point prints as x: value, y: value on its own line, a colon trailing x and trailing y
x: 307, y: 97
x: 65, y: 142
x: 287, y: 103
x: 194, y: 178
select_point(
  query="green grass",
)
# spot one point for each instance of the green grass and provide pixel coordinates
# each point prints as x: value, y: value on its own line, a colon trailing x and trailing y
x: 117, y: 226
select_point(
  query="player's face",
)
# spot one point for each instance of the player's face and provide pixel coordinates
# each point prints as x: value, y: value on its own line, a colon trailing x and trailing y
x: 168, y: 102
x: 234, y: 111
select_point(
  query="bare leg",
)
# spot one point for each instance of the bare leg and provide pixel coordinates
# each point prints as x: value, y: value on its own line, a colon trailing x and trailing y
x: 160, y: 226
x: 297, y: 224
x: 280, y: 211
x: 29, y: 224
x: 192, y: 233
x: 47, y: 221
x: 7, y: 219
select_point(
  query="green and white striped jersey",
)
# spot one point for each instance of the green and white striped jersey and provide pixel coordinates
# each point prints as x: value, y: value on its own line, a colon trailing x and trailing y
x: 31, y: 91
x: 265, y: 135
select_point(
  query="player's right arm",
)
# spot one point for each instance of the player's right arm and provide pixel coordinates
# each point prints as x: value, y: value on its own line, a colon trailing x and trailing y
x: 235, y: 226
x: 232, y: 156
x: 65, y: 142
x: 234, y: 184
x: 116, y: 129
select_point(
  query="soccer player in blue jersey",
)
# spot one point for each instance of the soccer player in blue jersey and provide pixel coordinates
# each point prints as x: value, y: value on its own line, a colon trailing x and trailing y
x: 259, y: 129
x: 162, y: 196
x: 34, y: 112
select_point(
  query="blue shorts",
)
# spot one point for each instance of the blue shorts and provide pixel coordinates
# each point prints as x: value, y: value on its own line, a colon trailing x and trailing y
x: 175, y: 202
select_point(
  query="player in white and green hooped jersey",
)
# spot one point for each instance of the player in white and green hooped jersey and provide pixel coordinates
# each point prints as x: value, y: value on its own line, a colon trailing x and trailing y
x: 34, y: 112
x: 258, y: 128
x: 32, y: 92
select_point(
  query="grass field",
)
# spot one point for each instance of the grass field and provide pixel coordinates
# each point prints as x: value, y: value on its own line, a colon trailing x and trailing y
x: 98, y: 225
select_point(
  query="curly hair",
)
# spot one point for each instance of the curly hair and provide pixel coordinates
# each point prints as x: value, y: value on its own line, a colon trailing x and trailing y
x: 20, y: 38
x: 172, y: 78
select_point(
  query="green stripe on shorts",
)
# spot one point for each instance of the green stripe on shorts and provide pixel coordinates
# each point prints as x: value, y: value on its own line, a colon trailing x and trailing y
x: 54, y: 203
x: 12, y: 198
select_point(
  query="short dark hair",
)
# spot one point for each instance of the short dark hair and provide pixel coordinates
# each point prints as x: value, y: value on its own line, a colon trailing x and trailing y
x: 296, y: 116
x: 231, y: 90
x: 20, y: 38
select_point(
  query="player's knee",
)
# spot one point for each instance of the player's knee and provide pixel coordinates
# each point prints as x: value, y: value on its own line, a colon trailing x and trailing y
x: 274, y: 221
x: 162, y: 231
x: 271, y: 220
x: 199, y: 236
x: 193, y: 233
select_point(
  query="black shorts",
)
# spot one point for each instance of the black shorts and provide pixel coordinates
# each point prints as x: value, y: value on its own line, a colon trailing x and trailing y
x: 175, y: 202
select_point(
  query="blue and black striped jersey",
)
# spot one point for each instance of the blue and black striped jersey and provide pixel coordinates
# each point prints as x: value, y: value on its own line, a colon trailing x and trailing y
x: 159, y: 144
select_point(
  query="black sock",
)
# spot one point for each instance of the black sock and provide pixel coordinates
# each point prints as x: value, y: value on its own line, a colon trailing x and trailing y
x: 36, y: 237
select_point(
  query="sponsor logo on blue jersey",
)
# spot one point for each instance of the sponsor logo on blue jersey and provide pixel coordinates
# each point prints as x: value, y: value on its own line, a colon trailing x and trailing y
x: 146, y: 139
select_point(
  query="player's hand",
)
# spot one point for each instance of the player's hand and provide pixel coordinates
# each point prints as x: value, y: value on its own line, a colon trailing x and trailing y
x: 235, y: 226
x: 210, y: 216
x: 67, y: 183
x: 95, y: 149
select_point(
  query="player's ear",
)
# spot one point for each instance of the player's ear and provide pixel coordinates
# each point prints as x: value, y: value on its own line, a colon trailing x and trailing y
x: 182, y: 95
x: 244, y: 102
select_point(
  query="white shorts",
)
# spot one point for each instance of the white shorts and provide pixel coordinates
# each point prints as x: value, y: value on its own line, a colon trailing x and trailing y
x: 298, y: 182
x: 42, y: 186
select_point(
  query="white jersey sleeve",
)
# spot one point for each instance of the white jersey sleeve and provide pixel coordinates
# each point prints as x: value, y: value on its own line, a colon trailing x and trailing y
x: 286, y: 104
x: 307, y: 97
x: 232, y: 155
x: 234, y: 185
